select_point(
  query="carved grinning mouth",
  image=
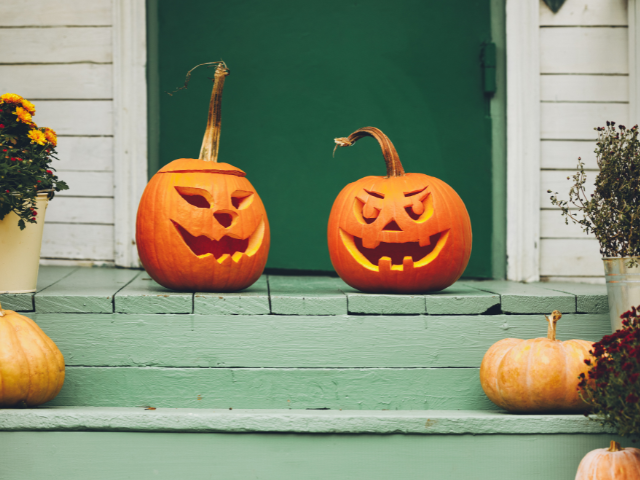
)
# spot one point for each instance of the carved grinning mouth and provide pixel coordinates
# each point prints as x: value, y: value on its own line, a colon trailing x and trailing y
x: 225, y: 249
x: 394, y: 256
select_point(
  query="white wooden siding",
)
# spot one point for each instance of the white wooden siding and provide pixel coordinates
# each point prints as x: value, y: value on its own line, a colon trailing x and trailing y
x: 584, y: 79
x: 59, y: 55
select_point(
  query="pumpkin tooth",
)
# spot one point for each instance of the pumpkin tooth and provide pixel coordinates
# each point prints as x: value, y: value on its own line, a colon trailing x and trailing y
x: 237, y: 256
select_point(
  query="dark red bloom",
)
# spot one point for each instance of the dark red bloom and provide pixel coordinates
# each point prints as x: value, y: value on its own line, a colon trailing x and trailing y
x: 632, y: 398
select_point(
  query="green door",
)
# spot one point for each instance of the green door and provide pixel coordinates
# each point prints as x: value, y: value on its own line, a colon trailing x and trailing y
x: 303, y: 73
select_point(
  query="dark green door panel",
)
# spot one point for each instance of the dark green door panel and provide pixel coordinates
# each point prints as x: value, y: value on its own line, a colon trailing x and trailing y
x: 303, y: 73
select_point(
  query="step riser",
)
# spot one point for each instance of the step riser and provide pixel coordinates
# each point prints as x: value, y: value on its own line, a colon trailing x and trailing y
x: 347, y: 389
x: 171, y: 456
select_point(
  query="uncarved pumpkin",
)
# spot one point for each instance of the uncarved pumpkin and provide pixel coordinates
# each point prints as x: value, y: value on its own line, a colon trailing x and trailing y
x: 613, y: 463
x: 538, y: 375
x: 201, y: 225
x: 31, y: 365
x: 404, y: 233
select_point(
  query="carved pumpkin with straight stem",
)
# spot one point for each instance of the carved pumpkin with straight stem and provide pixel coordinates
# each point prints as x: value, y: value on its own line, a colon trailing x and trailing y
x: 201, y: 225
x: 403, y: 233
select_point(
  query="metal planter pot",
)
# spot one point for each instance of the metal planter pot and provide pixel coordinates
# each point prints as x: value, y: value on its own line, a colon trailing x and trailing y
x: 623, y: 288
x: 20, y: 251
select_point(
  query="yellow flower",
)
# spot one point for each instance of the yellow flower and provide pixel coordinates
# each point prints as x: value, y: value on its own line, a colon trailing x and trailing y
x: 28, y: 106
x: 23, y: 115
x: 51, y: 136
x: 37, y: 136
x: 10, y: 98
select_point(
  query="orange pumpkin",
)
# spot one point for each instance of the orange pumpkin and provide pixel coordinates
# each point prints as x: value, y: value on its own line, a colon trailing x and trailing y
x: 537, y: 375
x: 405, y: 233
x: 31, y: 366
x: 613, y: 463
x: 201, y: 225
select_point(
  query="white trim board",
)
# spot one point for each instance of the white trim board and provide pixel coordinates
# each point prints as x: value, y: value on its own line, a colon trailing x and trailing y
x: 130, y: 123
x: 634, y: 62
x: 523, y: 140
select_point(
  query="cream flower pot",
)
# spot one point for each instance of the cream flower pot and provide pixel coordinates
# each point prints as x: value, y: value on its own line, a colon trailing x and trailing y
x: 20, y: 251
x: 623, y: 288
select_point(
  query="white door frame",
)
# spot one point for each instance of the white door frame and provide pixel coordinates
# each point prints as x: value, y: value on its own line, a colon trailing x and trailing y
x: 523, y: 140
x: 130, y: 123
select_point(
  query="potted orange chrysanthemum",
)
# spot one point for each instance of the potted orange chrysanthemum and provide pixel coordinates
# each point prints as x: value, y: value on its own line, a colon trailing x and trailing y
x: 27, y: 183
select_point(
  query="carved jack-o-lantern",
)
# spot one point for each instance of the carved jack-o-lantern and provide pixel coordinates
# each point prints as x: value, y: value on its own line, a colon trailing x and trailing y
x: 201, y: 225
x: 406, y: 232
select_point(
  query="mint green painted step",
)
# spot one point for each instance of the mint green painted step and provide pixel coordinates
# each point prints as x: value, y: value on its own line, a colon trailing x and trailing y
x: 384, y: 304
x: 144, y: 295
x: 297, y: 295
x: 527, y: 298
x: 285, y: 456
x: 250, y: 301
x: 23, y: 302
x: 279, y: 388
x: 382, y: 422
x: 86, y: 290
x: 589, y: 298
x: 297, y: 341
x: 461, y: 299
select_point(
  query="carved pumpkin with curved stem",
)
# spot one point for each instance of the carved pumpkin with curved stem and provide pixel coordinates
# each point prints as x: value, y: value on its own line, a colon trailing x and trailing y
x: 201, y: 225
x: 406, y: 232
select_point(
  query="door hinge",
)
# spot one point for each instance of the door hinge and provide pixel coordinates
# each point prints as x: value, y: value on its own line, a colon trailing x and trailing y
x: 488, y: 59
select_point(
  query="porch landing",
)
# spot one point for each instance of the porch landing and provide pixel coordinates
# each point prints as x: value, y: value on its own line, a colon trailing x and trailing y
x: 293, y: 378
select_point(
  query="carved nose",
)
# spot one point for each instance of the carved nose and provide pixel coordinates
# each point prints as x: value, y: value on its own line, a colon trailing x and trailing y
x: 225, y: 217
x: 392, y: 226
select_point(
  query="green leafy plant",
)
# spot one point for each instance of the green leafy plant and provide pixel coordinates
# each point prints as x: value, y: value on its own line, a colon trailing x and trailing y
x: 612, y: 386
x: 612, y: 212
x: 26, y: 151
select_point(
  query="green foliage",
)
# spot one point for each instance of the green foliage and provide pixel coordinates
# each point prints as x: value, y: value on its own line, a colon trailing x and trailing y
x: 612, y: 387
x: 26, y: 152
x: 612, y: 212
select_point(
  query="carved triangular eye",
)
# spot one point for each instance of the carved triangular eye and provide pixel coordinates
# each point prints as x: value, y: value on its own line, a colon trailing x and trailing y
x: 197, y: 197
x: 241, y: 199
x: 374, y: 194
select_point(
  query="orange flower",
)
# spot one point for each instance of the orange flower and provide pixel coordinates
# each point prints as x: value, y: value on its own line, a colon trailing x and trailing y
x: 37, y: 136
x: 28, y: 106
x: 51, y: 136
x: 23, y: 115
x: 10, y: 98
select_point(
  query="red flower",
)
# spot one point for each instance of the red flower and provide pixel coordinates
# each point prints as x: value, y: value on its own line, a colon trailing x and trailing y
x: 1, y: 125
x: 8, y: 191
x: 632, y: 398
x: 13, y: 159
x: 49, y: 172
x: 38, y: 181
x: 34, y: 213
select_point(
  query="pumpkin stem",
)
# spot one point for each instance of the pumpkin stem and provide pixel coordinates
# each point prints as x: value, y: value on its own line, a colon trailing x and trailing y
x: 551, y: 330
x: 614, y: 447
x: 211, y: 140
x: 394, y: 167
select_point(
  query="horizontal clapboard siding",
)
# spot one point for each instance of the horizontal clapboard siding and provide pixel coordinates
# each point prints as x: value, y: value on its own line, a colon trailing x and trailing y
x: 64, y: 81
x: 60, y: 13
x: 77, y: 241
x: 59, y: 55
x: 585, y: 13
x: 564, y: 154
x: 595, y: 50
x: 584, y: 82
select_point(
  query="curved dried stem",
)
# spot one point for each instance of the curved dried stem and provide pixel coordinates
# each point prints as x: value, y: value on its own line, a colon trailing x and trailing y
x: 553, y: 320
x: 394, y: 167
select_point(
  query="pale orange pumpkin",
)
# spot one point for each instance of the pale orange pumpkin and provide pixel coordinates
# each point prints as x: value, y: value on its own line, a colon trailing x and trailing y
x: 31, y: 365
x: 201, y: 225
x: 537, y: 375
x: 403, y: 233
x: 613, y: 463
